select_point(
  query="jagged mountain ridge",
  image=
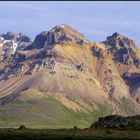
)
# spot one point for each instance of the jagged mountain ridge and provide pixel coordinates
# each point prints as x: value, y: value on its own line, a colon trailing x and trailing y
x: 62, y: 70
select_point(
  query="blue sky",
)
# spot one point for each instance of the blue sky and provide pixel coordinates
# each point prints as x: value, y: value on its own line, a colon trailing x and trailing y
x: 96, y: 20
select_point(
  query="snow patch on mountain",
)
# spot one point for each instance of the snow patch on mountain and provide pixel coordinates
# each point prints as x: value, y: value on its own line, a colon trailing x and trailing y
x: 14, y: 47
x: 7, y: 41
x: 1, y: 44
x: 1, y: 38
x: 63, y: 25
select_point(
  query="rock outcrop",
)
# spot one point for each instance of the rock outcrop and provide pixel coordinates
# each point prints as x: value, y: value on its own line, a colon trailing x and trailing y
x: 117, y: 122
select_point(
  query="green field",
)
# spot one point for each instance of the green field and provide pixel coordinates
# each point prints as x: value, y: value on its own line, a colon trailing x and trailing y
x: 46, y: 113
x: 45, y: 134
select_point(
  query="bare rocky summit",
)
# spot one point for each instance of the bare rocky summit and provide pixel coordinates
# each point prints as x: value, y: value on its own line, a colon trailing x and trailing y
x: 58, y: 35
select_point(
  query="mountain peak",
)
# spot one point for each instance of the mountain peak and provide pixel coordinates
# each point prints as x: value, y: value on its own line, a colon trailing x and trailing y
x: 120, y: 41
x: 123, y: 49
x: 59, y: 34
x: 63, y: 26
x: 115, y: 34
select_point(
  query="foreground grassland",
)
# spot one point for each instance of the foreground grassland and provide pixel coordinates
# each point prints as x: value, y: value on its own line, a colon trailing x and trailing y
x: 47, y: 113
x: 83, y: 134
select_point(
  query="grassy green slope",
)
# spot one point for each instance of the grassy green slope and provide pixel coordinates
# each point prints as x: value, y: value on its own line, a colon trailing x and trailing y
x: 46, y: 113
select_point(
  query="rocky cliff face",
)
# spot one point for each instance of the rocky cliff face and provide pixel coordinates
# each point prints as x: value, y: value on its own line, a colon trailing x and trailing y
x: 63, y: 72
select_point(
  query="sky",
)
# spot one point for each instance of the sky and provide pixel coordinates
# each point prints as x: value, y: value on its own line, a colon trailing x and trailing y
x: 95, y: 19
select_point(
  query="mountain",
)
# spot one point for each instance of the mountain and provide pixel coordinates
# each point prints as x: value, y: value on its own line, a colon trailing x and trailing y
x: 62, y: 80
